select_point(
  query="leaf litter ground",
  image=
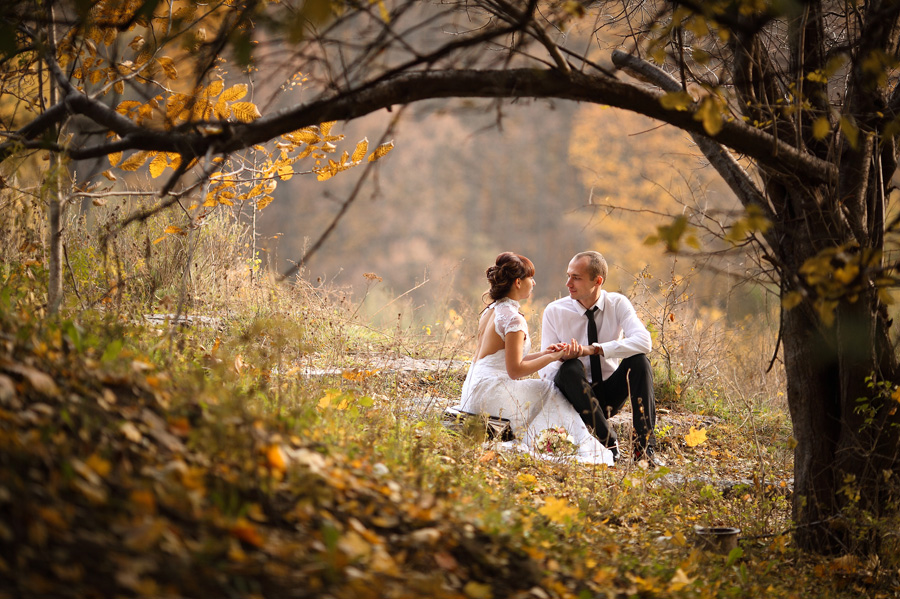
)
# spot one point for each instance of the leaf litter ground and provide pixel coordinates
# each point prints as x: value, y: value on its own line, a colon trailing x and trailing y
x: 119, y: 478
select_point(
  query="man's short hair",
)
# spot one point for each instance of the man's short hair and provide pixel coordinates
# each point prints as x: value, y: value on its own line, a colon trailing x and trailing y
x: 597, y: 266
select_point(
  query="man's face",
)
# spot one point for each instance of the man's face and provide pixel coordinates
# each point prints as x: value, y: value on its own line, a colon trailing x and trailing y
x: 582, y: 288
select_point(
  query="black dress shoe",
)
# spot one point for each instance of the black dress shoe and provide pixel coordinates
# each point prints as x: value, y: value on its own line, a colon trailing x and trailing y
x: 649, y: 455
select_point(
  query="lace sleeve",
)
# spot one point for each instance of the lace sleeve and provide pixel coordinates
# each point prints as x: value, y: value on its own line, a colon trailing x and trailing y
x: 508, y: 320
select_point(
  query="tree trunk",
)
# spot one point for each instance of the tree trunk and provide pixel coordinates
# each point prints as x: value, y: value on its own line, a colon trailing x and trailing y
x: 839, y: 383
x: 53, y: 187
x: 54, y: 234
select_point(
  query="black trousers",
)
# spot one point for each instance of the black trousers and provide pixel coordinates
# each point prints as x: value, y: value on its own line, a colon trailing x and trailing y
x: 595, y: 403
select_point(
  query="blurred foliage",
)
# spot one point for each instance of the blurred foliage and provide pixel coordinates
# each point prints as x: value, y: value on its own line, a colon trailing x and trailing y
x: 151, y: 460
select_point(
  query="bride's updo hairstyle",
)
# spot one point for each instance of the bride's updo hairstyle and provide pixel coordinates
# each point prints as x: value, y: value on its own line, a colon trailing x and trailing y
x: 503, y: 274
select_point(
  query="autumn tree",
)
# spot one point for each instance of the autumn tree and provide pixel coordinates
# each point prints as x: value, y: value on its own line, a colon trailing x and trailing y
x: 805, y: 92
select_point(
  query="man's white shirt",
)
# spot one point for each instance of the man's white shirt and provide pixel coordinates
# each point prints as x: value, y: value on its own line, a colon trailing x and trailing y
x: 620, y: 332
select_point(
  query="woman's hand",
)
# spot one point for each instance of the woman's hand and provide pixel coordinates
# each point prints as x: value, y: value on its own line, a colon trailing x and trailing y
x: 556, y: 351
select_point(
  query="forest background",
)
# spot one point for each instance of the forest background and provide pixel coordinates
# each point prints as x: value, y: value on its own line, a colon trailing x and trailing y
x: 543, y: 179
x: 169, y: 404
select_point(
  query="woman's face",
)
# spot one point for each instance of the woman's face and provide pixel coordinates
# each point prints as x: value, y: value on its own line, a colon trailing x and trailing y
x: 527, y: 286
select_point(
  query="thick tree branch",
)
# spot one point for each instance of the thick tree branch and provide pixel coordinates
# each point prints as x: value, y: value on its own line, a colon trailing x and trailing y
x: 411, y: 87
x: 528, y: 83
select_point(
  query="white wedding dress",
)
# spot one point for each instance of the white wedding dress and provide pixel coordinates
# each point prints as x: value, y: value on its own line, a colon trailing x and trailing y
x: 531, y: 405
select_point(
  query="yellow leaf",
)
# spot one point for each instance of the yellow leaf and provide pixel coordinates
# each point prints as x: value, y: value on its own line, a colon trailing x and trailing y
x: 323, y: 174
x: 817, y: 76
x: 175, y: 105
x: 99, y: 465
x: 325, y: 400
x: 158, y: 165
x: 710, y: 114
x: 114, y: 158
x: 559, y: 510
x: 135, y: 161
x: 215, y: 88
x: 695, y: 437
x: 174, y: 230
x: 850, y: 131
x: 325, y: 128
x: 676, y: 101
x: 791, y: 300
x: 477, y: 590
x: 360, y: 151
x: 359, y: 375
x: 285, y: 172
x: 658, y: 53
x: 126, y: 106
x: 697, y: 25
x: 263, y: 202
x: 245, y: 111
x: 168, y: 66
x: 234, y: 93
x: 381, y: 151
x: 526, y: 479
x: 679, y: 581
x: 821, y: 127
x: 309, y: 135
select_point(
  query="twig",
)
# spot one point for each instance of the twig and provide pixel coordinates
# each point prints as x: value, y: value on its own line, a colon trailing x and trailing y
x: 344, y: 207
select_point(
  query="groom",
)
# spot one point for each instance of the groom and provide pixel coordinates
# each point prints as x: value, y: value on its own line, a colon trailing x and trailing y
x: 607, y: 363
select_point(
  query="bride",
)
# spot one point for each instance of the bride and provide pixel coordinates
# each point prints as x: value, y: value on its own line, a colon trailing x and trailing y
x: 502, y: 358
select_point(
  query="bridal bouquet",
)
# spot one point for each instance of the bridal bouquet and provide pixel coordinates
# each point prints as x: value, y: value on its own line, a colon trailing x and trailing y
x: 557, y: 441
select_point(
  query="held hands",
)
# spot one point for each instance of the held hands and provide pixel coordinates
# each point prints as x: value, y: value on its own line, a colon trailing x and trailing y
x: 557, y: 350
x: 565, y: 351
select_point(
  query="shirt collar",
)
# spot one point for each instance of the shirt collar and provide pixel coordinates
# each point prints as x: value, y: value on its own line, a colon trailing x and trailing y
x: 601, y: 301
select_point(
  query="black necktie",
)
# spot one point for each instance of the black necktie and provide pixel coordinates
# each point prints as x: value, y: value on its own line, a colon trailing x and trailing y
x: 596, y: 372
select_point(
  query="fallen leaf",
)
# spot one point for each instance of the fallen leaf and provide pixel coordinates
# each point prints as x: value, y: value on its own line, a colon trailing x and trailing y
x: 487, y: 457
x: 353, y: 545
x: 695, y: 437
x: 558, y: 510
x: 679, y: 581
x: 245, y: 531
x: 131, y: 432
x: 99, y: 465
x: 477, y: 590
x: 40, y: 382
x: 276, y: 459
x: 445, y: 561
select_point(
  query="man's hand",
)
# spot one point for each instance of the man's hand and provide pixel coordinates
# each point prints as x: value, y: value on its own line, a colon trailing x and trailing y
x: 572, y: 351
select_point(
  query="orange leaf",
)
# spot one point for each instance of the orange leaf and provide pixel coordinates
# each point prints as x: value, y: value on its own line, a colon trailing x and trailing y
x: 487, y: 457
x: 245, y: 531
x: 276, y: 458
